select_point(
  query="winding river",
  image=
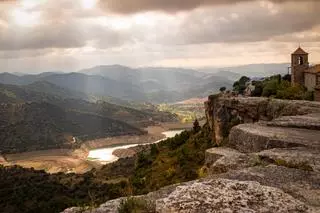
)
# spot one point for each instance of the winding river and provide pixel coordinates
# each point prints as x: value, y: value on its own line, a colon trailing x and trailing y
x: 105, y: 155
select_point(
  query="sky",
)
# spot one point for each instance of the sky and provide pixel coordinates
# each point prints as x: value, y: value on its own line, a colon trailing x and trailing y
x: 68, y: 35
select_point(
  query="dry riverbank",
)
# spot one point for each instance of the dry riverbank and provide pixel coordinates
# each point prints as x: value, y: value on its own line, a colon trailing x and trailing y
x: 64, y: 160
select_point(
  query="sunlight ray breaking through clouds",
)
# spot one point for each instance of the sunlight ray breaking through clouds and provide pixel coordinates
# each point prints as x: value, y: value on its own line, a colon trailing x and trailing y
x: 152, y: 33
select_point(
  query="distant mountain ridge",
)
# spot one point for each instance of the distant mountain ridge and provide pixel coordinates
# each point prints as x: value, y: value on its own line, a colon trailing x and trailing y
x: 251, y: 70
x: 146, y: 84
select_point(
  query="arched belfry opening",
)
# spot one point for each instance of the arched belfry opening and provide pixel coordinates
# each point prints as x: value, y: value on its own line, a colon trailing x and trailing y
x: 300, y: 60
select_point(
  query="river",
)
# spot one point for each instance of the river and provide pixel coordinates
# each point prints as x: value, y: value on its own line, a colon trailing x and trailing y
x: 105, y: 156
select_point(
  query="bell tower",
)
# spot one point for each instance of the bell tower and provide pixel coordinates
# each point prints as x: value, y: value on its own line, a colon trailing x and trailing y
x: 299, y: 63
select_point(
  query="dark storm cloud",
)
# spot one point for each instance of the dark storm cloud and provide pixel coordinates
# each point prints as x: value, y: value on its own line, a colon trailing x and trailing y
x: 246, y: 23
x: 134, y: 6
x: 58, y: 35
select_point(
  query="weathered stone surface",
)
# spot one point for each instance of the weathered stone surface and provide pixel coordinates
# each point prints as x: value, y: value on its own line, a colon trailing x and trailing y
x: 222, y: 195
x: 255, y: 138
x: 223, y: 159
x: 108, y: 207
x: 213, y: 195
x: 301, y: 184
x: 310, y: 121
x: 224, y: 112
x: 300, y: 158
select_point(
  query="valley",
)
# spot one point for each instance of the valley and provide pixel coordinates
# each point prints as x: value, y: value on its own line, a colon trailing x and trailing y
x: 159, y: 106
x: 79, y: 160
x: 114, y: 134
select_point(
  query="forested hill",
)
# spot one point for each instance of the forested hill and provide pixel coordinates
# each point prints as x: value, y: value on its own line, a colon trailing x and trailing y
x: 32, y: 119
x: 35, y: 126
x: 67, y: 99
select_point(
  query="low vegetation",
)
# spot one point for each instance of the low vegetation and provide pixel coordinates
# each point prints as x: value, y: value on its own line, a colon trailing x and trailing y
x: 274, y: 86
x: 137, y: 205
x: 172, y: 161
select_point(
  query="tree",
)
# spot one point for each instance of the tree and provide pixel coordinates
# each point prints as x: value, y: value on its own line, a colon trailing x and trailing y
x: 240, y: 86
x: 287, y: 77
x: 258, y: 89
x: 222, y: 89
x: 196, y: 126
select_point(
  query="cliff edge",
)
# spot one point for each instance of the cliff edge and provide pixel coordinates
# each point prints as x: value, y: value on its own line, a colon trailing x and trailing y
x: 268, y: 161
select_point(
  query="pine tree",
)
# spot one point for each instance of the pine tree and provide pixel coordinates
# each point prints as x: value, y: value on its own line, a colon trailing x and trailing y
x: 196, y: 126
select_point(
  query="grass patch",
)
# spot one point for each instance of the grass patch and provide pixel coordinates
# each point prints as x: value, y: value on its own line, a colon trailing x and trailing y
x: 137, y: 205
x: 295, y: 165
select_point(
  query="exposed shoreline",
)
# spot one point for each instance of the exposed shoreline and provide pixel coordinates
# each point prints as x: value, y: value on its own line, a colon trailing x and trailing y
x: 67, y: 160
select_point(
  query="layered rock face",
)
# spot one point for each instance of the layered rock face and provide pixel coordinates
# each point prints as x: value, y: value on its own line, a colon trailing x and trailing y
x: 271, y: 162
x: 280, y: 150
x: 225, y: 112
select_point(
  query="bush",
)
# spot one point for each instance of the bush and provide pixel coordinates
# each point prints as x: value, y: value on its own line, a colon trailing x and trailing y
x: 136, y: 205
x: 240, y: 86
x: 270, y: 88
x: 222, y: 89
x: 281, y: 88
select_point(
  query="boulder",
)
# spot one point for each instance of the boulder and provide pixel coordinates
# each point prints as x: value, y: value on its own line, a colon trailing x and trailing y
x: 303, y: 185
x: 222, y: 195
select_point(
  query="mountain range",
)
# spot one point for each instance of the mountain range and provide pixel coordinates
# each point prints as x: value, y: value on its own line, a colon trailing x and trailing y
x: 60, y: 110
x: 147, y: 84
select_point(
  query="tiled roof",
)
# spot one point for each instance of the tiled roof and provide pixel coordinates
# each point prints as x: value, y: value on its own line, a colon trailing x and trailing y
x: 314, y: 69
x: 299, y: 51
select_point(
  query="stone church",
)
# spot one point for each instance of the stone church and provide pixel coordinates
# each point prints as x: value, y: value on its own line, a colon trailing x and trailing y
x: 304, y: 74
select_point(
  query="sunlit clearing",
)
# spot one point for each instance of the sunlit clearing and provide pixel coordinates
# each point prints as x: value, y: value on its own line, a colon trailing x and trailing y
x: 88, y: 4
x: 23, y: 18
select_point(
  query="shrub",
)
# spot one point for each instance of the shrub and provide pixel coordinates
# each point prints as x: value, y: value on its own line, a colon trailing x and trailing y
x: 240, y: 86
x: 136, y: 205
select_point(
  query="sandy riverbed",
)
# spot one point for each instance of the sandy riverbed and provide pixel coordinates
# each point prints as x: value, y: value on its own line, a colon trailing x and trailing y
x: 64, y: 160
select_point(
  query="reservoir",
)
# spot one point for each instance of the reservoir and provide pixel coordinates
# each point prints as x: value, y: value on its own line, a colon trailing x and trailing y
x: 105, y: 155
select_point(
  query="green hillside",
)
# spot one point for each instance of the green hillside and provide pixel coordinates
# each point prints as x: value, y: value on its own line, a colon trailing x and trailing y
x: 34, y: 126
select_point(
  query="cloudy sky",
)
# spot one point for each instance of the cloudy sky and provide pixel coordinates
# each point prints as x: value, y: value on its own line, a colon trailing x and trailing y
x: 44, y: 35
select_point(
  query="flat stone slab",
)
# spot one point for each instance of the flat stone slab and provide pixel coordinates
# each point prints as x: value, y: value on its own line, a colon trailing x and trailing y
x: 309, y: 121
x: 300, y: 158
x: 302, y: 185
x: 256, y: 137
x: 222, y: 195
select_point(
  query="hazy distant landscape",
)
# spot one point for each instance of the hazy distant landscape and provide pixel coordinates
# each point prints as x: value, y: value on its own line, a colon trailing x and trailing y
x: 155, y: 85
x: 157, y: 106
x: 62, y: 110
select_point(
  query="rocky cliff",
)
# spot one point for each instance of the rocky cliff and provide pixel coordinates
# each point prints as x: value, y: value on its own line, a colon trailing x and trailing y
x: 269, y: 162
x: 223, y: 113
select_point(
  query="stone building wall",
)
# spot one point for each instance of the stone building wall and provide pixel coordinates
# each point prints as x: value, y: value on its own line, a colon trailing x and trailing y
x: 310, y: 81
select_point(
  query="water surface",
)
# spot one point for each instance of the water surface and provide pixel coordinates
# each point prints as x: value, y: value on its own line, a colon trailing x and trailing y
x: 105, y: 155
